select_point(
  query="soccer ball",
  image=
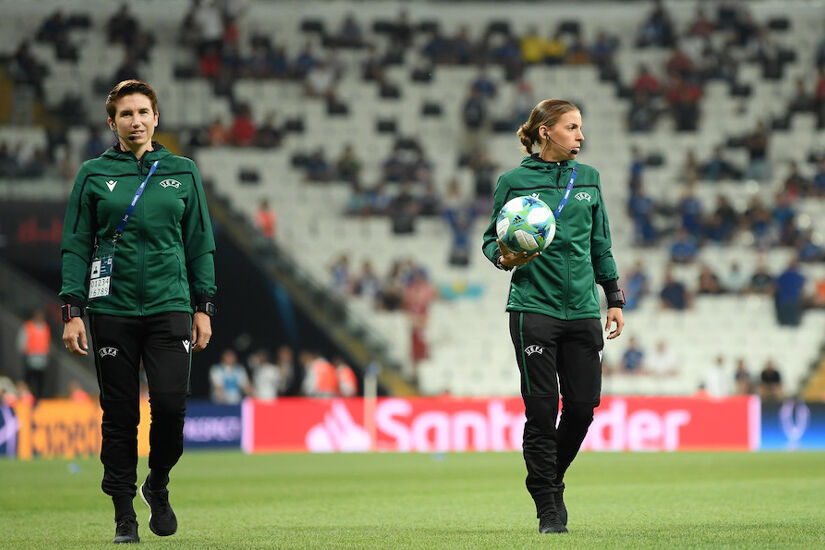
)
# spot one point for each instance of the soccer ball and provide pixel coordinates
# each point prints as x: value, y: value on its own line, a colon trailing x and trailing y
x: 526, y: 224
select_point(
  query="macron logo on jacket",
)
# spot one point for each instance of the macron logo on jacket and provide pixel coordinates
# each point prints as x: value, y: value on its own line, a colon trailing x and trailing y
x: 111, y: 184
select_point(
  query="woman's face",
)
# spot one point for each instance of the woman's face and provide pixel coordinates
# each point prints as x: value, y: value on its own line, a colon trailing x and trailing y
x: 135, y: 120
x: 565, y: 136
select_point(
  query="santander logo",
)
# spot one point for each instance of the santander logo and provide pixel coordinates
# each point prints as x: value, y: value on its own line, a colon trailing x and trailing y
x: 421, y: 424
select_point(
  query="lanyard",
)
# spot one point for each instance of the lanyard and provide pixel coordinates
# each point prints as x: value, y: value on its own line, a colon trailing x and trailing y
x: 566, y: 193
x: 138, y: 193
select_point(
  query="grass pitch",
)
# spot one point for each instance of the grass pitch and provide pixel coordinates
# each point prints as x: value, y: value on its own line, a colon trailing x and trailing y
x: 616, y: 500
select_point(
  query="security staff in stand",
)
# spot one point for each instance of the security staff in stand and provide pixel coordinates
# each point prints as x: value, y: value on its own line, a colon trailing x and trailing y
x: 553, y: 302
x: 137, y: 253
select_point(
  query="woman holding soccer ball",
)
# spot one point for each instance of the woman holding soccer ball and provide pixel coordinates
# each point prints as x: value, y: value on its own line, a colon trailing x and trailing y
x: 136, y: 239
x: 553, y: 303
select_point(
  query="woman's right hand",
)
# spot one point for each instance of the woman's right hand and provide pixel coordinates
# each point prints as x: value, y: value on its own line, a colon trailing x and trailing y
x: 510, y: 258
x: 74, y: 336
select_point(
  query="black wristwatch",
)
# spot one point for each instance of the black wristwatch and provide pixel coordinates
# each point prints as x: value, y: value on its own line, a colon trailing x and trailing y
x: 69, y: 312
x: 206, y: 307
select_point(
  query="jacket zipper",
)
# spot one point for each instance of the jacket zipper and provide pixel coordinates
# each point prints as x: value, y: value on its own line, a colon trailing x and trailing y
x: 566, y: 253
x: 141, y: 251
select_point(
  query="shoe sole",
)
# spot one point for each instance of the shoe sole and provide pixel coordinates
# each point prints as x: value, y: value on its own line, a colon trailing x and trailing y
x: 146, y: 502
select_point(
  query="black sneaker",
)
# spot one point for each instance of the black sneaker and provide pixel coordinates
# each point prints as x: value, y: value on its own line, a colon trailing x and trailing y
x: 126, y: 531
x: 550, y: 522
x: 558, y: 499
x: 162, y: 520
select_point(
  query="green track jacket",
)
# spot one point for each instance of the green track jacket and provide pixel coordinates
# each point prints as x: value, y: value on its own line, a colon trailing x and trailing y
x: 166, y: 248
x: 561, y: 281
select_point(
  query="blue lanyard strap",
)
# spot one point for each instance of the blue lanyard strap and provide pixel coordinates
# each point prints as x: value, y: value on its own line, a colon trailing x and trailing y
x: 566, y: 193
x: 138, y: 193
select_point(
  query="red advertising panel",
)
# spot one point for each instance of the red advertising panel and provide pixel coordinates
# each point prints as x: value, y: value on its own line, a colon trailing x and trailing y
x: 492, y: 424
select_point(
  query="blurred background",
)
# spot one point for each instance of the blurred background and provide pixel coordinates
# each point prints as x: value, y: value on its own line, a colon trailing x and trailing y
x: 350, y: 150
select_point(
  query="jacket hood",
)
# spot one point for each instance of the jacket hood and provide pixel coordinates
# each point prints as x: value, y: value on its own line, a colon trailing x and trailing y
x: 535, y: 162
x: 116, y: 153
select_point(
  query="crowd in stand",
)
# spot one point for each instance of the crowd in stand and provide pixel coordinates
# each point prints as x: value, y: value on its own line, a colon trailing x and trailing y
x: 719, y: 379
x: 310, y: 375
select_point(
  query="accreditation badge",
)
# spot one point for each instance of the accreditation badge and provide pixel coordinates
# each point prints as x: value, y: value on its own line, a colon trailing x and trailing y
x: 100, y: 276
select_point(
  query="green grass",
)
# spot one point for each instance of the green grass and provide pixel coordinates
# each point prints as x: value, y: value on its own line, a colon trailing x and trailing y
x: 229, y: 500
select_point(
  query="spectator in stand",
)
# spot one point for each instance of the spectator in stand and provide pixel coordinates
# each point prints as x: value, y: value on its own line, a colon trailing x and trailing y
x: 701, y: 25
x: 26, y: 71
x: 533, y: 49
x: 657, y: 30
x: 808, y: 249
x: 320, y: 80
x: 317, y: 167
x: 683, y: 97
x: 770, y: 382
x: 265, y: 375
x: 642, y: 209
x: 218, y: 134
x: 484, y: 85
x: 718, y: 168
x: 269, y: 134
x: 341, y: 280
x: 367, y: 285
x: 128, y: 68
x: 34, y: 343
x: 305, y: 62
x: 708, y: 281
x: 348, y: 166
x: 122, y: 27
x: 717, y: 379
x: 555, y: 50
x: 77, y: 394
x: 577, y: 52
x: 795, y: 185
x: 742, y: 378
x: 633, y: 358
x: 603, y: 50
x: 684, y: 248
x: 819, y: 97
x: 818, y: 180
x: 789, y: 295
x: 523, y: 101
x: 736, y: 280
x: 289, y: 378
x: 690, y: 211
x: 635, y: 287
x: 265, y: 219
x: 94, y: 146
x: 674, y: 295
x: 320, y: 378
x: 350, y: 34
x: 230, y: 383
x: 637, y: 167
x: 474, y: 113
x: 347, y: 381
x: 243, y: 128
x: 419, y: 293
x: 643, y: 113
x: 662, y: 362
x: 757, y: 147
x: 761, y: 282
x: 802, y: 101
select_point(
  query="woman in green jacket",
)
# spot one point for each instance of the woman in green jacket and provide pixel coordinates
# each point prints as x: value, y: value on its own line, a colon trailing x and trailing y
x: 137, y: 252
x: 553, y: 302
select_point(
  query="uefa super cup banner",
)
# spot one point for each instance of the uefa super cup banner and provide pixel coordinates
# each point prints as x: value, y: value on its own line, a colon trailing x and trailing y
x: 492, y: 424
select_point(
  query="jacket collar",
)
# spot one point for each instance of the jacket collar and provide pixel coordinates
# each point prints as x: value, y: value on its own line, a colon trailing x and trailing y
x: 535, y: 162
x: 116, y: 152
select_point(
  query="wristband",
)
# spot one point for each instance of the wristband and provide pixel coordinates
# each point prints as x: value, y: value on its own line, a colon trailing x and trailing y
x: 206, y: 307
x: 615, y: 298
x: 69, y: 312
x: 500, y: 265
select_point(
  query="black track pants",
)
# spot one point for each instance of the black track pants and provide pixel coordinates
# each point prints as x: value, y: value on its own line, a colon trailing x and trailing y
x: 552, y: 353
x: 163, y: 343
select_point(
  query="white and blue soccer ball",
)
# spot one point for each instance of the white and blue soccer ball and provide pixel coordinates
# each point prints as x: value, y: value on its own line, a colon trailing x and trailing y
x: 526, y: 224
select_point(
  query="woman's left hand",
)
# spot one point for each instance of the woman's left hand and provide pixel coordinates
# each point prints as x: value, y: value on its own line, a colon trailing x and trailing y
x: 614, y: 314
x: 201, y: 331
